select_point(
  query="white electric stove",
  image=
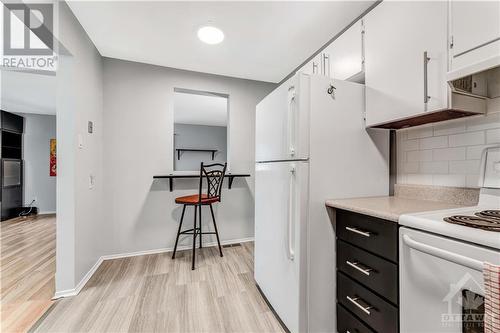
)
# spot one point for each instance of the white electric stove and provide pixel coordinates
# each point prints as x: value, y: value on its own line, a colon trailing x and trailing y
x: 479, y: 224
x: 441, y: 257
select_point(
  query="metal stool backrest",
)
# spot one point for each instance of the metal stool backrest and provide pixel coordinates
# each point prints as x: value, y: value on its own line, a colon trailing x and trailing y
x: 214, y: 173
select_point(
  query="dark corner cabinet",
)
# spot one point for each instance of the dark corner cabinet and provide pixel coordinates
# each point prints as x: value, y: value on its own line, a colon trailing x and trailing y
x: 11, y: 166
x: 367, y: 274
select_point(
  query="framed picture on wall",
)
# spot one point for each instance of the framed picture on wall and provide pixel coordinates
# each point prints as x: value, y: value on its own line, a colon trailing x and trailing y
x: 53, y: 158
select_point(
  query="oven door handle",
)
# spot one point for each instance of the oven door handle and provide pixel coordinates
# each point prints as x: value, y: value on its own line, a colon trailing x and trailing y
x: 443, y: 254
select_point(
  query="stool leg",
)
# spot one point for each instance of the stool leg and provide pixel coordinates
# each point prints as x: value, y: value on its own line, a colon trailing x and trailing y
x: 179, y: 231
x: 200, y: 229
x: 194, y: 237
x: 216, y: 232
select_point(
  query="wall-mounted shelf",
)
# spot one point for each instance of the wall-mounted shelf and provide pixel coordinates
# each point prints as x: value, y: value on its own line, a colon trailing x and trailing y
x: 179, y: 150
x: 229, y: 176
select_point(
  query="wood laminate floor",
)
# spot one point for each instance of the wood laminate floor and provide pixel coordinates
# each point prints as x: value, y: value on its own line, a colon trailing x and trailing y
x: 27, y: 270
x: 153, y: 293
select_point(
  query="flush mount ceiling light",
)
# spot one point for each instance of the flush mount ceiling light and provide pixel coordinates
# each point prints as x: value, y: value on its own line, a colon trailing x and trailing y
x: 210, y: 35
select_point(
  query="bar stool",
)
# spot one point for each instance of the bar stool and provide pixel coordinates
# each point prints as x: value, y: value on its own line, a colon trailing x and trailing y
x: 214, y: 173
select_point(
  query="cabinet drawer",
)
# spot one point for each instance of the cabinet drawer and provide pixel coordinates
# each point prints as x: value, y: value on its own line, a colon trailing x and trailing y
x: 370, y: 308
x: 370, y: 233
x: 374, y: 272
x: 347, y: 322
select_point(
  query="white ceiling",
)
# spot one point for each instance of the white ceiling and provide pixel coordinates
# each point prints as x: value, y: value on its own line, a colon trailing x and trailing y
x: 263, y: 40
x: 196, y: 109
x: 23, y: 92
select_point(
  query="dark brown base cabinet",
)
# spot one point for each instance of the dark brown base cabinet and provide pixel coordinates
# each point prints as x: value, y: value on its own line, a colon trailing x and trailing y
x: 367, y: 274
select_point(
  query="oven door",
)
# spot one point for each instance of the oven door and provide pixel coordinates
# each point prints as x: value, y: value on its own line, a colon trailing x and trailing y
x: 441, y: 283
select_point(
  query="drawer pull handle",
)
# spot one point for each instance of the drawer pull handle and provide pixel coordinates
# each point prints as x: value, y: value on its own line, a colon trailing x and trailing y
x: 355, y: 265
x: 354, y: 300
x: 359, y: 232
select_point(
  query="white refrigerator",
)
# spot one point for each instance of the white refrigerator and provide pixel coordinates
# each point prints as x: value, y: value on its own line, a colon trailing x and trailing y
x: 311, y: 145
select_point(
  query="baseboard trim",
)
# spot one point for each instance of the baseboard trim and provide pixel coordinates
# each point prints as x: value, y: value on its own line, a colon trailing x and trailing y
x: 81, y: 284
x: 170, y: 249
x: 86, y: 278
x: 47, y: 213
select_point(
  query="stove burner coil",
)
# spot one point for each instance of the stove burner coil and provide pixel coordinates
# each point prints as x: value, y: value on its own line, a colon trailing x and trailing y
x: 491, y: 213
x: 479, y: 222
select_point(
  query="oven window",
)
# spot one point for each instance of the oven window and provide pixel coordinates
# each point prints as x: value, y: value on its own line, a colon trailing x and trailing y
x: 11, y: 173
x: 472, y: 312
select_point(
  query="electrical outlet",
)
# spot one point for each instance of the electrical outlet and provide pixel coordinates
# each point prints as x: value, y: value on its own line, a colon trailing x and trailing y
x: 80, y: 141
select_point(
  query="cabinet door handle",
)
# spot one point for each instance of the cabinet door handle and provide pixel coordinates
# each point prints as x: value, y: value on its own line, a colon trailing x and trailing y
x: 354, y: 300
x: 355, y: 265
x: 359, y: 232
x: 426, y: 83
x: 315, y: 68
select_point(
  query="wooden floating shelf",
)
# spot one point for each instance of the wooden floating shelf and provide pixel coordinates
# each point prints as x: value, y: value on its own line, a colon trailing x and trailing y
x: 179, y: 150
x: 229, y: 176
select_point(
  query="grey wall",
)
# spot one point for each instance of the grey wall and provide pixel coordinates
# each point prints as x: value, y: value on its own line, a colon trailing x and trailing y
x: 82, y: 234
x: 138, y: 143
x: 202, y: 137
x: 38, y: 130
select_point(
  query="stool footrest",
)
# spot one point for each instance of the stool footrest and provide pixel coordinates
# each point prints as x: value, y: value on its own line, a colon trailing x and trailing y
x: 190, y: 232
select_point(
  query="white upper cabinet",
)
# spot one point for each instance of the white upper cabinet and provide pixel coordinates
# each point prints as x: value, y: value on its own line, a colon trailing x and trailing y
x: 475, y: 32
x: 345, y: 54
x: 405, y: 59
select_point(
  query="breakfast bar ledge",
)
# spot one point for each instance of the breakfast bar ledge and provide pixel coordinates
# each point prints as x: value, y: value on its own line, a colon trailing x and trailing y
x: 171, y: 178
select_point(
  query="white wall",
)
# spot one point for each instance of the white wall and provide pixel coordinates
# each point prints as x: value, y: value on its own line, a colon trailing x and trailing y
x: 448, y: 153
x: 38, y: 130
x: 138, y: 120
x: 82, y: 234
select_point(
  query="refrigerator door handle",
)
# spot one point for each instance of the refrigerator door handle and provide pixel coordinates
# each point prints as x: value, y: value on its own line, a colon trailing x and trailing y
x: 291, y: 252
x: 291, y: 120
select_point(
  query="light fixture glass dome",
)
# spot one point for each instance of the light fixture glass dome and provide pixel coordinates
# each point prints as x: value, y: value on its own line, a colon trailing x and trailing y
x: 210, y: 35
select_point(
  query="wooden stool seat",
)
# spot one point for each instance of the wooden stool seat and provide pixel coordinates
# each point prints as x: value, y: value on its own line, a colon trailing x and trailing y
x: 195, y: 200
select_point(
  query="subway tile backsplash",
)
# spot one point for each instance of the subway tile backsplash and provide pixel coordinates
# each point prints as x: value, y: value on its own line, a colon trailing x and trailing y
x: 447, y: 153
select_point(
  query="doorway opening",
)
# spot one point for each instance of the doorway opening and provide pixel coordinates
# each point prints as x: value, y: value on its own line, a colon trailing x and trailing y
x: 200, y: 129
x: 27, y: 196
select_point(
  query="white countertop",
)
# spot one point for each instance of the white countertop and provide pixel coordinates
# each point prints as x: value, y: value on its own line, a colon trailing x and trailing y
x: 388, y: 207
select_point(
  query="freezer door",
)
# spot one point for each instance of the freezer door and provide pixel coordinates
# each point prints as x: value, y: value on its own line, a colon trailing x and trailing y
x: 282, y: 122
x: 280, y: 238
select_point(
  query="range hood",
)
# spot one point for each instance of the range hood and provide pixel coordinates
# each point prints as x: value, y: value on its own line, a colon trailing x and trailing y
x: 469, y: 89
